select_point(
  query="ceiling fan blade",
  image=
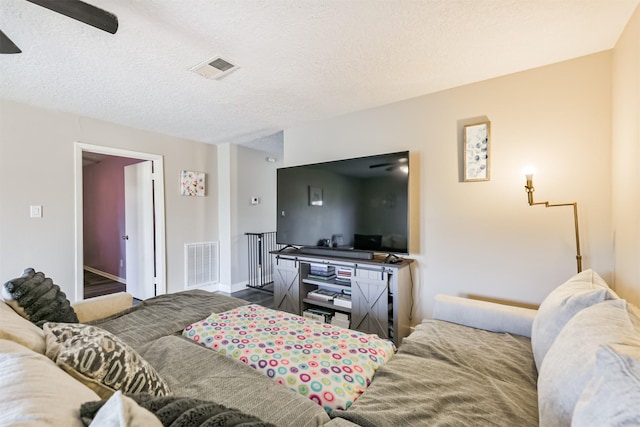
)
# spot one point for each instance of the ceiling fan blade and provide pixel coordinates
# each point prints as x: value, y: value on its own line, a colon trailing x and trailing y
x: 6, y: 45
x: 380, y: 165
x: 83, y: 12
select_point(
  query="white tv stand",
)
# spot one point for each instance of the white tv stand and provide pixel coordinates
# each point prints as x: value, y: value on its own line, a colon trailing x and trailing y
x: 380, y: 293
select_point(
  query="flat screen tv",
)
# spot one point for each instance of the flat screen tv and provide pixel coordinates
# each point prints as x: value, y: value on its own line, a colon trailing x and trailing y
x: 360, y: 203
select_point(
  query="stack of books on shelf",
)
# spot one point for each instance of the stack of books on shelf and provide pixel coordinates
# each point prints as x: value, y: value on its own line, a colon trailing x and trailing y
x: 319, y: 315
x: 342, y: 300
x: 322, y: 295
x: 340, y: 319
x: 344, y: 274
x: 322, y: 272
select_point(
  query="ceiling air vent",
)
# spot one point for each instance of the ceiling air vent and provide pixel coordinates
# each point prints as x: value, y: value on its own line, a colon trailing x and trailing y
x: 214, y: 68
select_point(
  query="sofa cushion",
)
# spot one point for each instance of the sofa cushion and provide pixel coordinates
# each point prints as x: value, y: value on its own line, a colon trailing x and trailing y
x: 612, y: 397
x: 35, y: 392
x: 582, y: 290
x: 169, y: 411
x: 101, y: 360
x: 485, y: 315
x: 96, y: 308
x: 38, y: 299
x: 16, y: 328
x: 446, y: 374
x: 569, y: 364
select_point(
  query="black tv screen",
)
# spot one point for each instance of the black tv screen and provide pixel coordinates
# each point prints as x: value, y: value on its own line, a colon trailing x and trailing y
x: 360, y: 203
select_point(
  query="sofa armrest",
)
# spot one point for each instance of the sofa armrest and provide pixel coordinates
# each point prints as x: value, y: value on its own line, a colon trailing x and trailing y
x: 102, y: 306
x: 484, y: 315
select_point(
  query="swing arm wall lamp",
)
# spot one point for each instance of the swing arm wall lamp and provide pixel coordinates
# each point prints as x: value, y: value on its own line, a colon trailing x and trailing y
x: 530, y: 189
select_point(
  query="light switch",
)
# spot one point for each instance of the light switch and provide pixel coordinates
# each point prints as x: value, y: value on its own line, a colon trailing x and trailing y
x: 35, y: 211
x: 255, y: 200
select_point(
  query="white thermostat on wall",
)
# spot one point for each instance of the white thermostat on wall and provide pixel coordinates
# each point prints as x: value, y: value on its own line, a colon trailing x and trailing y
x: 35, y: 211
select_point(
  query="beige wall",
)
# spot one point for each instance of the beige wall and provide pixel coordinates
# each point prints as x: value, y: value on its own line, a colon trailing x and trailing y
x: 37, y: 168
x: 626, y: 160
x: 243, y: 173
x: 256, y: 177
x: 468, y: 238
x: 482, y: 238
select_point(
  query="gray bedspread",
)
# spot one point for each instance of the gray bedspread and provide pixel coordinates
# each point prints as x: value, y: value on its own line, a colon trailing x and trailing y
x: 450, y: 375
x: 165, y: 315
x: 194, y: 371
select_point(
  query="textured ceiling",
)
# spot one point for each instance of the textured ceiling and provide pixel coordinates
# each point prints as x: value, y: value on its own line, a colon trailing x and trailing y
x: 299, y: 60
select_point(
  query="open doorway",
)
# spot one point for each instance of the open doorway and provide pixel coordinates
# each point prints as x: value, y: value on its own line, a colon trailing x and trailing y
x: 104, y: 227
x: 114, y: 253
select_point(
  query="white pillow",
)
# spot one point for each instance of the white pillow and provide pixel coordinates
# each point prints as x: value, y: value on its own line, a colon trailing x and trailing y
x: 16, y: 328
x: 35, y: 392
x: 581, y: 291
x: 568, y: 366
x: 122, y: 411
x: 612, y: 397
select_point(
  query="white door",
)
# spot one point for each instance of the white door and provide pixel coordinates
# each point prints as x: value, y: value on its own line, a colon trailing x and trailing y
x: 138, y: 197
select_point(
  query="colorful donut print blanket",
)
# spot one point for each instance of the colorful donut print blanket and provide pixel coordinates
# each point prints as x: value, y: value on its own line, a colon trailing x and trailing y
x: 328, y: 364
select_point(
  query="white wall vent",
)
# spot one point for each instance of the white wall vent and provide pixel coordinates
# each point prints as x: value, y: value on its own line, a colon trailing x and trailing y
x: 200, y: 264
x: 214, y: 68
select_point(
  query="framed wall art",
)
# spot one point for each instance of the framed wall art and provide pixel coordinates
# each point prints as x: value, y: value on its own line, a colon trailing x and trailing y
x: 477, y: 154
x: 192, y: 183
x: 315, y: 196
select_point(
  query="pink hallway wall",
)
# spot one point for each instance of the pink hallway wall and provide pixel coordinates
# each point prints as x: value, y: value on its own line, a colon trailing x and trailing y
x: 103, y: 200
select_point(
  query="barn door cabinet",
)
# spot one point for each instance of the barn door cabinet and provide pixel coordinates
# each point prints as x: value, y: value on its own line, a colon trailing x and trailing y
x: 286, y: 285
x: 381, y: 299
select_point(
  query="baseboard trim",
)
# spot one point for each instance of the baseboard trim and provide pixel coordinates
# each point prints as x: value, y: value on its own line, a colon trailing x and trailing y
x: 233, y: 287
x: 105, y: 274
x: 212, y: 287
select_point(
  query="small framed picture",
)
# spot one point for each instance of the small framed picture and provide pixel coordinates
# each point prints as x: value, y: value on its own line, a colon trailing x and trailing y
x: 315, y: 196
x: 192, y: 183
x: 477, y: 158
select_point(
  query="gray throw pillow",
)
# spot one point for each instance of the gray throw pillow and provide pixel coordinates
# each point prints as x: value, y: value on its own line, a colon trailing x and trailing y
x: 101, y: 360
x: 36, y: 298
x: 569, y: 365
x: 581, y: 291
x: 612, y: 397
